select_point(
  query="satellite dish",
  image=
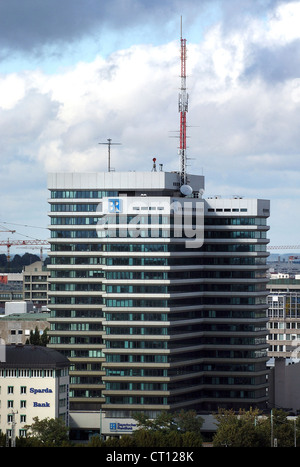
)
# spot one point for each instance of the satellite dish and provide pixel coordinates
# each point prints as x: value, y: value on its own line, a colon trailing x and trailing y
x: 186, y: 190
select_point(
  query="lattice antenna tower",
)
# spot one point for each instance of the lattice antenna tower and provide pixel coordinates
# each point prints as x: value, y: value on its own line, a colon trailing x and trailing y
x: 183, y: 109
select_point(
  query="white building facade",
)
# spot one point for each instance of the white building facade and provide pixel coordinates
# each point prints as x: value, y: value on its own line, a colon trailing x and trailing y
x: 34, y: 382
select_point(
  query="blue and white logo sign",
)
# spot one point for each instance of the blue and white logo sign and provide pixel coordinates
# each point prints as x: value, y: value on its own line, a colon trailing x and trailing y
x: 114, y: 205
x: 122, y: 426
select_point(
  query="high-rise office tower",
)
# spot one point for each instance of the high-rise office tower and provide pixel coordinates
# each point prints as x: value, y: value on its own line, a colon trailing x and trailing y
x: 152, y: 314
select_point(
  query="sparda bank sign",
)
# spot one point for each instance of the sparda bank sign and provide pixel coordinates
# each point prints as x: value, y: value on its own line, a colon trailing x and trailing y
x: 41, y: 391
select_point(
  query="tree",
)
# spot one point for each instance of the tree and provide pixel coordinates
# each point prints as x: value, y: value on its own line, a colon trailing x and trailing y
x: 168, y: 430
x: 237, y: 430
x: 51, y: 432
x: 227, y: 431
x: 188, y: 421
x: 163, y: 422
x: 2, y: 440
x: 253, y: 429
x: 36, y: 338
x: 44, y: 338
x: 282, y: 429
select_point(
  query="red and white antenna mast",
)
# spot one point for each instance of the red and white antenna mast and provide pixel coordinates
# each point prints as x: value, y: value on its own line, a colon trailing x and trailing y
x: 183, y: 108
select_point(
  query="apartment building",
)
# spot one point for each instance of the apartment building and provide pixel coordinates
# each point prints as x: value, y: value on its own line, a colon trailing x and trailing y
x: 35, y: 284
x: 284, y: 316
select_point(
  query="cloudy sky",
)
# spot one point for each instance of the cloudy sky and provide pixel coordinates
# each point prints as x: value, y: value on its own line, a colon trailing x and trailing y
x: 76, y: 72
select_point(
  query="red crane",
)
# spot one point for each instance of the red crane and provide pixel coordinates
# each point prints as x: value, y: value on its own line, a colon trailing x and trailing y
x: 9, y: 243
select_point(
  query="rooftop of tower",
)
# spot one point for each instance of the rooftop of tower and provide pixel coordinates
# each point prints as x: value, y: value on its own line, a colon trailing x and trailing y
x: 135, y: 181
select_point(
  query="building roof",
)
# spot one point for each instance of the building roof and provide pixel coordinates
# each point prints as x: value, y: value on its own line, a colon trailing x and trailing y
x: 33, y: 356
x: 25, y: 317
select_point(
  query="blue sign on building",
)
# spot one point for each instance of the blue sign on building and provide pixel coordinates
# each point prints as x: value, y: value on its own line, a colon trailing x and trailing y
x: 115, y: 205
x: 122, y: 426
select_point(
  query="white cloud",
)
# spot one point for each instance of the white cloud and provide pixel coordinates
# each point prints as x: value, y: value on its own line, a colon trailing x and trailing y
x: 12, y: 89
x: 283, y: 25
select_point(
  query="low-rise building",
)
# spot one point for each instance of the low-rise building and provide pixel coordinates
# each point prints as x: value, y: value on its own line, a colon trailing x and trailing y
x: 284, y: 317
x: 11, y: 288
x: 35, y: 283
x: 15, y: 328
x: 284, y: 383
x: 34, y: 382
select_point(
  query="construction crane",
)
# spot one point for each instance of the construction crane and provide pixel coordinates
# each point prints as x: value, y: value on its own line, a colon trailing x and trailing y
x: 28, y: 243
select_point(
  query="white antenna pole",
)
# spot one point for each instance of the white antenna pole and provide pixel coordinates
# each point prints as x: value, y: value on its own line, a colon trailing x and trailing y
x: 109, y: 145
